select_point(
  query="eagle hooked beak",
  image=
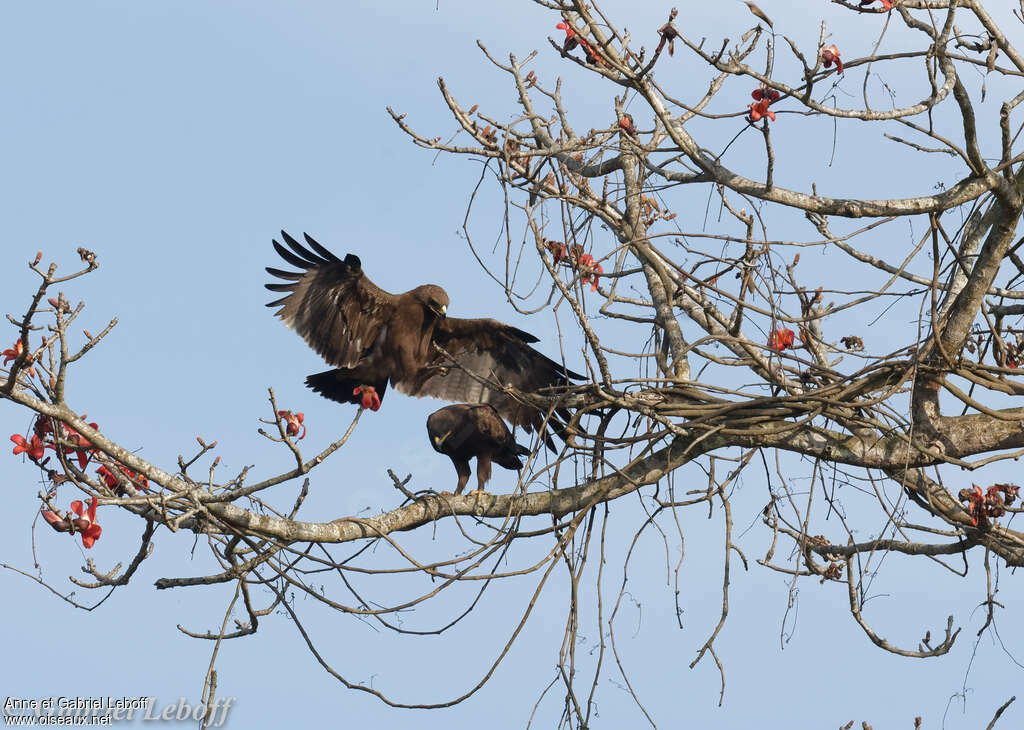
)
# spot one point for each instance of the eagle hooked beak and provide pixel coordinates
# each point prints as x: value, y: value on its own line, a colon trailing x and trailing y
x: 438, y: 440
x: 440, y: 311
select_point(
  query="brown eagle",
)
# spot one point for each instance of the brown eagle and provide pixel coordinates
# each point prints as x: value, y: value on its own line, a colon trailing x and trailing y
x: 464, y: 431
x: 374, y: 338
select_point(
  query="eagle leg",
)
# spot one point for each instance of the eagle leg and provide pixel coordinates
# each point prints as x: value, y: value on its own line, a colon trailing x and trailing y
x: 462, y: 469
x: 483, y: 471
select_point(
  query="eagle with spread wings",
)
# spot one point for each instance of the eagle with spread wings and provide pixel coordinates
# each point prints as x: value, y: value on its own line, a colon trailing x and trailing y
x: 374, y: 338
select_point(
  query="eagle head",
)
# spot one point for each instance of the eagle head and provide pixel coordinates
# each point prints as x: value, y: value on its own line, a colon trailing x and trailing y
x: 433, y: 298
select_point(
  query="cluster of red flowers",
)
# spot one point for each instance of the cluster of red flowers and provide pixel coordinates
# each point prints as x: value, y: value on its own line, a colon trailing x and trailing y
x: 84, y: 522
x: 112, y: 481
x: 572, y: 39
x: 80, y: 519
x: 573, y: 255
x: 990, y: 503
x: 781, y: 338
x: 43, y: 427
x: 763, y: 97
x: 293, y: 421
x: 370, y: 399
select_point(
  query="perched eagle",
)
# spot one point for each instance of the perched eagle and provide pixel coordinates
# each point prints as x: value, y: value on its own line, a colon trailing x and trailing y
x: 374, y: 338
x: 465, y: 431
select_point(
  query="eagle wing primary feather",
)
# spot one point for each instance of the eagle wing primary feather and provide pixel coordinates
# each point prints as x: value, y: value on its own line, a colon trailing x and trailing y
x: 330, y: 302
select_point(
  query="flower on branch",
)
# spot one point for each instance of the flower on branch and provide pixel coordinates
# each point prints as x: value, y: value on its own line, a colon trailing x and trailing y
x: 572, y: 40
x: 112, y: 481
x: 781, y: 338
x: 84, y: 446
x: 886, y: 4
x: 83, y: 522
x: 626, y: 125
x: 370, y: 398
x: 86, y: 522
x: 760, y: 109
x: 293, y: 422
x: 589, y: 271
x: 830, y: 55
x: 32, y: 449
x: 990, y: 503
x: 763, y: 97
x: 668, y: 33
x: 14, y: 352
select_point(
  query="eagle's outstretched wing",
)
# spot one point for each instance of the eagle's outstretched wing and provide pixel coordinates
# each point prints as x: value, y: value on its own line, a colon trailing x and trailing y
x: 339, y: 312
x: 496, y: 352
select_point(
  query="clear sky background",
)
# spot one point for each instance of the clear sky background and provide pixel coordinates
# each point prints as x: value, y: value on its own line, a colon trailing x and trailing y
x: 175, y: 140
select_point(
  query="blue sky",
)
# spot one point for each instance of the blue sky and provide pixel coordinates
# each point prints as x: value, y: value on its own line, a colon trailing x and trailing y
x: 175, y: 140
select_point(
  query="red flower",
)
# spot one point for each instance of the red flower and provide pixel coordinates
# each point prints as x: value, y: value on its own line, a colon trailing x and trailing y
x: 626, y: 124
x: 14, y: 352
x: 294, y: 422
x: 108, y: 477
x: 111, y: 480
x: 370, y: 398
x: 763, y: 96
x: 760, y: 109
x: 84, y: 445
x: 976, y: 503
x: 86, y: 522
x: 830, y: 55
x: 887, y: 4
x: 33, y: 449
x: 589, y: 271
x: 781, y: 338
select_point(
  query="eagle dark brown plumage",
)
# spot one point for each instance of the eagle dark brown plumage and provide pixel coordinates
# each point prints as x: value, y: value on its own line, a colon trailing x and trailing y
x: 374, y: 338
x: 464, y: 432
